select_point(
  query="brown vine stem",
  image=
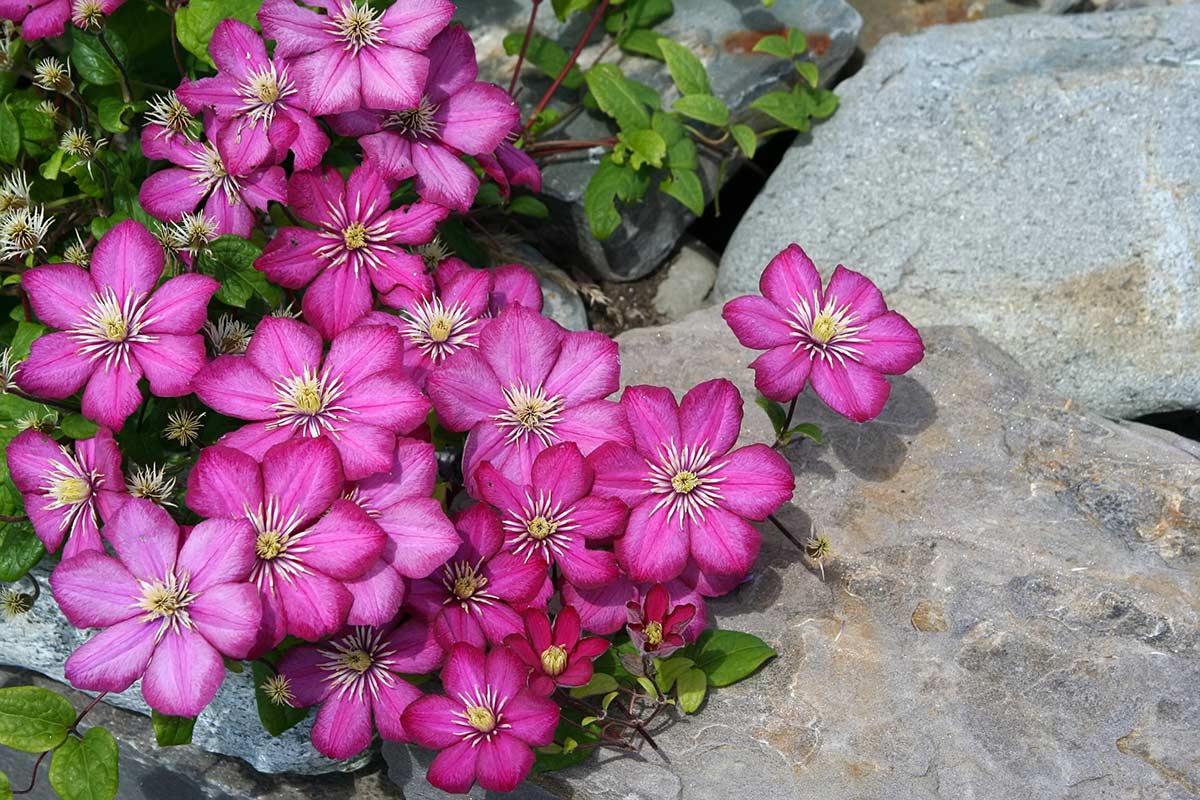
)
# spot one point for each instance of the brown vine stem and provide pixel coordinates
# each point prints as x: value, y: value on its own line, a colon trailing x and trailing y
x: 512, y: 85
x: 791, y: 538
x: 171, y: 9
x: 126, y: 94
x: 562, y: 75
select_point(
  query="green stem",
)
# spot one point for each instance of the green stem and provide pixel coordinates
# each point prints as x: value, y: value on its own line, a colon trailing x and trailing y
x: 126, y: 95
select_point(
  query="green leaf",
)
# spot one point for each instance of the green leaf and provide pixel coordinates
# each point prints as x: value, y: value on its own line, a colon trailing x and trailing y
x: 646, y: 93
x: 5, y: 787
x: 617, y: 97
x: 641, y: 41
x: 684, y: 185
x: 195, y: 22
x: 610, y: 182
x: 529, y: 206
x: 112, y: 109
x: 787, y: 108
x: 638, y: 14
x: 796, y: 41
x: 86, y: 769
x: 601, y: 683
x: 728, y: 656
x: 93, y: 64
x: 773, y: 45
x: 686, y: 70
x: 33, y: 719
x: 20, y: 549
x: 825, y: 103
x: 275, y: 718
x: 172, y: 731
x: 50, y: 168
x: 78, y: 426
x: 23, y: 339
x: 704, y: 107
x: 746, y: 138
x: 648, y: 686
x: 10, y: 135
x: 775, y: 412
x: 808, y: 70
x: 691, y: 687
x: 606, y: 701
x: 547, y: 55
x: 804, y: 429
x: 646, y: 146
x: 230, y: 259
x: 668, y: 670
x: 565, y: 8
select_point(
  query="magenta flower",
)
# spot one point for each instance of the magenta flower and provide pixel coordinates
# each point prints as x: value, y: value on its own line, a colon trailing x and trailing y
x: 656, y: 625
x: 352, y: 55
x: 605, y: 609
x: 116, y: 327
x: 39, y: 20
x: 229, y: 187
x: 486, y: 723
x: 842, y: 338
x: 456, y: 115
x: 359, y: 398
x: 356, y: 245
x: 479, y: 594
x: 689, y: 493
x: 420, y: 537
x: 510, y: 284
x: 66, y: 495
x: 529, y: 384
x: 553, y: 518
x: 170, y: 608
x: 556, y: 656
x: 89, y: 15
x: 256, y: 101
x: 357, y: 677
x: 509, y: 166
x: 306, y: 540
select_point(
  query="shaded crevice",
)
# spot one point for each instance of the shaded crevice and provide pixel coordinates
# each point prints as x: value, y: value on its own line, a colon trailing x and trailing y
x: 1186, y: 423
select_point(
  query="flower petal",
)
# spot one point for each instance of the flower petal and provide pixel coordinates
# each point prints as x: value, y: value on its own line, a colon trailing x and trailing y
x: 414, y: 23
x: 855, y: 391
x: 430, y: 721
x: 180, y: 305
x: 316, y: 605
x: 453, y: 769
x: 337, y: 299
x: 377, y: 593
x: 114, y: 658
x: 59, y: 293
x: 464, y: 671
x: 169, y: 362
x: 789, y: 276
x: 892, y: 344
x: 757, y: 322
x: 781, y: 372
x: 847, y: 287
x: 503, y: 762
x: 170, y: 193
x: 586, y: 567
x: 227, y: 616
x: 184, y: 674
x: 421, y: 538
x: 533, y: 718
x: 710, y: 416
x: 290, y: 259
x: 129, y: 259
x: 388, y: 707
x: 55, y: 368
x: 224, y: 483
x: 95, y: 591
x: 145, y: 537
x: 464, y: 390
x: 723, y: 543
x: 477, y: 118
x: 343, y: 726
x: 653, y: 548
x: 755, y: 481
x: 344, y: 543
x: 308, y: 680
x: 217, y: 551
x: 112, y: 394
x: 284, y: 347
x: 588, y: 368
x: 391, y: 77
x: 234, y: 386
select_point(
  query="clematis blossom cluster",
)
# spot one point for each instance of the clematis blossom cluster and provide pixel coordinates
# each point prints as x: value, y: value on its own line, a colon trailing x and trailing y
x: 422, y: 475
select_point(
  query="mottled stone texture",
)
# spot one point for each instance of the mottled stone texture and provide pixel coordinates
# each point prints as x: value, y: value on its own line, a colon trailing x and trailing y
x: 1036, y: 177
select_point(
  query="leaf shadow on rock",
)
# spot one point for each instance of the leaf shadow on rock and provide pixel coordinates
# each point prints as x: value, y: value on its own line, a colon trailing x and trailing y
x: 873, y: 451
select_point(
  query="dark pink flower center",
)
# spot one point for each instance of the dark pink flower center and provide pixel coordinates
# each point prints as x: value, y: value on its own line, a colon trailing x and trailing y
x: 542, y: 525
x: 482, y: 715
x: 68, y: 485
x: 684, y: 477
x: 358, y: 663
x: 110, y: 326
x: 358, y: 25
x: 438, y: 331
x: 264, y: 91
x: 828, y: 330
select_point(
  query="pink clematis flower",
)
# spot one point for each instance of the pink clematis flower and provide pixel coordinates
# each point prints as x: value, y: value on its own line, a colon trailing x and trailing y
x: 690, y: 494
x: 478, y: 597
x: 456, y: 115
x: 357, y: 678
x: 230, y: 188
x: 842, y: 337
x: 170, y: 607
x: 358, y: 398
x: 46, y: 19
x: 356, y: 245
x: 89, y: 15
x: 116, y: 327
x: 553, y: 518
x: 306, y: 540
x: 67, y: 494
x: 656, y: 625
x: 486, y: 723
x: 604, y: 610
x: 353, y: 55
x: 511, y: 284
x: 256, y: 102
x: 420, y: 537
x: 509, y: 166
x: 529, y: 384
x: 556, y: 656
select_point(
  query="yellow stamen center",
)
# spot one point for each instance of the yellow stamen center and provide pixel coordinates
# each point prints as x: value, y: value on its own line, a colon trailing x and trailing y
x: 685, y: 481
x: 357, y: 660
x: 439, y: 329
x: 306, y: 397
x: 654, y: 633
x: 540, y: 527
x: 554, y: 660
x: 116, y: 329
x: 824, y: 328
x: 465, y: 586
x: 355, y: 235
x: 481, y: 719
x: 268, y: 545
x: 71, y: 491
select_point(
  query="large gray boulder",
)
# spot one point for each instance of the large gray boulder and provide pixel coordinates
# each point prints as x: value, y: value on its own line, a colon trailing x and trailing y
x: 1010, y: 609
x: 720, y: 32
x: 1037, y: 177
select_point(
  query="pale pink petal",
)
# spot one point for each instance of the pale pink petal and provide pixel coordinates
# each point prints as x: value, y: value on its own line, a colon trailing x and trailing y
x: 343, y: 726
x: 283, y: 347
x: 180, y: 305
x: 217, y: 551
x: 112, y: 659
x: 363, y: 351
x: 892, y: 344
x: 145, y: 537
x: 477, y: 118
x: 228, y: 616
x: 290, y: 259
x: 344, y: 543
x: 55, y: 368
x: 723, y: 543
x: 710, y: 416
x: 170, y: 193
x: 854, y: 391
x: 377, y: 593
x: 755, y: 481
x: 465, y: 391
x: 443, y: 177
x: 757, y: 322
x: 234, y: 386
x: 316, y: 605
x: 304, y: 476
x: 112, y: 394
x: 223, y: 483
x: 59, y: 293
x: 169, y: 362
x: 588, y: 368
x: 652, y: 548
x: 184, y: 674
x: 503, y: 762
x: 414, y: 23
x: 95, y: 591
x: 847, y: 287
x: 336, y: 300
x: 781, y: 372
x: 653, y: 418
x: 790, y: 276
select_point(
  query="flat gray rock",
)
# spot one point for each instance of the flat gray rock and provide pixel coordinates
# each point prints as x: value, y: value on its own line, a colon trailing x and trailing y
x: 1009, y: 610
x: 721, y: 33
x: 1045, y: 190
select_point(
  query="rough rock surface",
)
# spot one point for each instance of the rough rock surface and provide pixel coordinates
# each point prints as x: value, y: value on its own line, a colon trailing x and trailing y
x: 42, y: 639
x: 1009, y: 609
x: 1046, y: 192
x: 721, y: 33
x: 690, y: 277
